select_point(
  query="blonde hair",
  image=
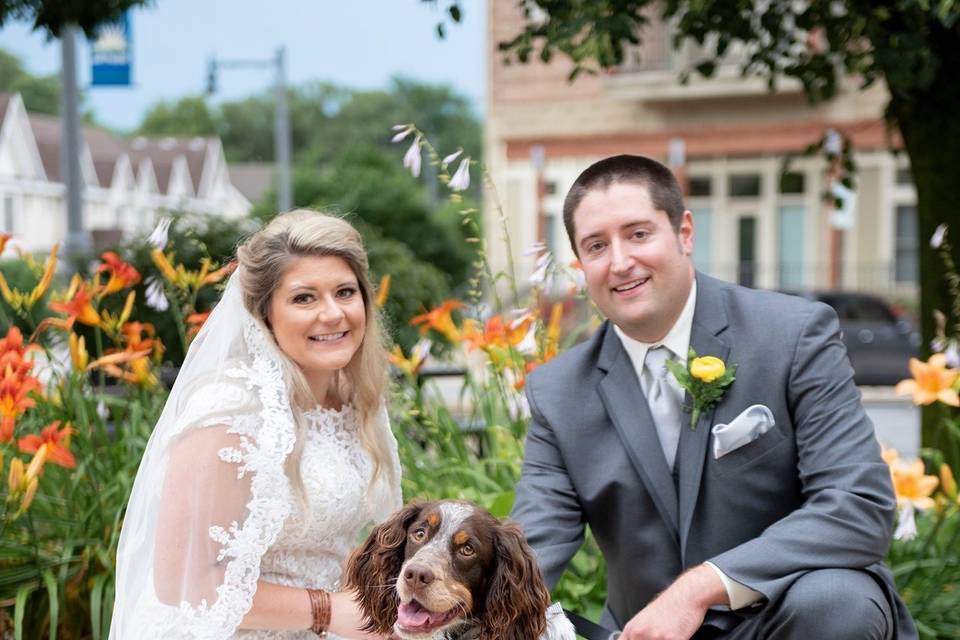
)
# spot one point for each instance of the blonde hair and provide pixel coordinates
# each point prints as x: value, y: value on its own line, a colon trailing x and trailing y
x: 264, y: 258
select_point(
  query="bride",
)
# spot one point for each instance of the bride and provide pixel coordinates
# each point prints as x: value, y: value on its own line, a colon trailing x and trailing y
x: 271, y: 455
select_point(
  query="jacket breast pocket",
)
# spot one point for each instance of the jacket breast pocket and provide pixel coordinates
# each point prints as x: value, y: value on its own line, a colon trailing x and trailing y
x: 750, y: 453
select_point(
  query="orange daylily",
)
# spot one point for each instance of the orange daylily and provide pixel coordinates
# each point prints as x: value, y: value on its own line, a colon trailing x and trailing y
x: 947, y: 482
x: 77, y: 305
x: 383, y: 291
x: 4, y: 238
x: 440, y: 320
x: 932, y: 381
x: 196, y: 320
x: 79, y: 356
x: 122, y: 274
x: 552, y: 345
x: 22, y: 302
x: 418, y: 355
x: 183, y: 278
x: 497, y: 333
x: 911, y: 485
x: 57, y: 442
x: 16, y: 383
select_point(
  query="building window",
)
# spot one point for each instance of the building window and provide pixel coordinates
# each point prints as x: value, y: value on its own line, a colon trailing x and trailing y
x: 744, y: 185
x: 905, y: 250
x: 700, y: 186
x: 549, y: 187
x: 791, y: 248
x: 746, y: 253
x: 550, y: 232
x: 904, y: 177
x: 792, y: 182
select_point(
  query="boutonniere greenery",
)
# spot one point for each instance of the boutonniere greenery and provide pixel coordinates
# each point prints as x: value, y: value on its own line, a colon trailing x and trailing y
x: 706, y: 379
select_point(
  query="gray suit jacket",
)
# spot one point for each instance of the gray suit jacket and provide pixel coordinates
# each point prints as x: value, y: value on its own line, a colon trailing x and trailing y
x: 810, y: 493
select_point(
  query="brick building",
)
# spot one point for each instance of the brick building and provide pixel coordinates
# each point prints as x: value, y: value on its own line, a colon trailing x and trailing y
x: 727, y: 138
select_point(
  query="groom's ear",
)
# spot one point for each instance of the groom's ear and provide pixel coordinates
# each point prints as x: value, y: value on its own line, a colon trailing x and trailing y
x: 374, y: 566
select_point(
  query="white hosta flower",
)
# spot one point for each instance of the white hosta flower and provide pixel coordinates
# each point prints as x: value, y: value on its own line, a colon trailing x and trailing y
x: 541, y: 271
x: 952, y: 353
x: 102, y: 410
x: 461, y: 179
x: 155, y: 296
x: 938, y: 236
x: 403, y: 130
x: 535, y: 249
x: 450, y: 158
x: 906, y: 524
x: 528, y: 346
x: 411, y: 159
x: 158, y: 238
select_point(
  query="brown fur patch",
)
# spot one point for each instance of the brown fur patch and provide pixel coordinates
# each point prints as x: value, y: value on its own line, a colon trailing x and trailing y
x: 461, y: 537
x: 433, y: 519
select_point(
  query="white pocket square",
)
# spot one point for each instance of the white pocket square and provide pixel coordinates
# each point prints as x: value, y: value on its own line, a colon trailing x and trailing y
x: 744, y: 429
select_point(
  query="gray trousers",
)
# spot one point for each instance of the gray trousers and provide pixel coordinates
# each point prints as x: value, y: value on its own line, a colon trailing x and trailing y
x: 839, y: 604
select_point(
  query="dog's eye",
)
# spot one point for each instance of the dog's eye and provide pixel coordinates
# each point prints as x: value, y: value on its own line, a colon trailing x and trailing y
x: 467, y: 550
x: 419, y: 534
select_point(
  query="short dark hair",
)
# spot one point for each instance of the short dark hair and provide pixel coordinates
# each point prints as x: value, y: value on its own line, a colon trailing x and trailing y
x: 661, y: 184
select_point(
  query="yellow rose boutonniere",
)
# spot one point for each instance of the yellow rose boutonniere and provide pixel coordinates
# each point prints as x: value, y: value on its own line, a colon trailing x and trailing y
x: 706, y: 379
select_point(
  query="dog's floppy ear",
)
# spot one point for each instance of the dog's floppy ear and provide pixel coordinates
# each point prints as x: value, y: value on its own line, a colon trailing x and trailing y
x: 517, y: 598
x: 374, y: 566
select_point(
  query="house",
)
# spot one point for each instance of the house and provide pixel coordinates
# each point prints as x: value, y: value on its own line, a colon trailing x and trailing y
x: 127, y: 184
x: 728, y: 139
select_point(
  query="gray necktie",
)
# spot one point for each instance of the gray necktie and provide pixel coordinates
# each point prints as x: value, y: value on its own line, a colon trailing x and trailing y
x: 664, y: 399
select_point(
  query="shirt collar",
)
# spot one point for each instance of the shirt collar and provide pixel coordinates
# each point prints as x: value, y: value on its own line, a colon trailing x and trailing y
x: 677, y: 339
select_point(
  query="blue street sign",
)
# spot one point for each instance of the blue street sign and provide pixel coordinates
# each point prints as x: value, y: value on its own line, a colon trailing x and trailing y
x: 112, y: 53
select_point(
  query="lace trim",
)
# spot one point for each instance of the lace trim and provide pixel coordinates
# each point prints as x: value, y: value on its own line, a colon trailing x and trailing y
x: 243, y: 545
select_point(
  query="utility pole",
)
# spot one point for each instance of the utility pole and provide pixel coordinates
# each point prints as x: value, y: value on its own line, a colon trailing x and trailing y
x: 281, y: 120
x: 77, y: 240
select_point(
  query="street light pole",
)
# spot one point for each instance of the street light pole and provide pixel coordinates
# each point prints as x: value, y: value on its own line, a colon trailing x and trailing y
x: 76, y: 240
x: 281, y: 132
x: 281, y: 120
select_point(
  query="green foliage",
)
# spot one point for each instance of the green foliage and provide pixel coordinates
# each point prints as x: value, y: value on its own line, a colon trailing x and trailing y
x: 52, y: 16
x: 188, y: 116
x: 41, y: 94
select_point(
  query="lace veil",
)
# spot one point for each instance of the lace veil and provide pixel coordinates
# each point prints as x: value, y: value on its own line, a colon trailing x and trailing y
x: 211, y: 495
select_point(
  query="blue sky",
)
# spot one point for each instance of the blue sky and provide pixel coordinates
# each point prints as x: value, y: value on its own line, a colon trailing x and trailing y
x: 355, y: 43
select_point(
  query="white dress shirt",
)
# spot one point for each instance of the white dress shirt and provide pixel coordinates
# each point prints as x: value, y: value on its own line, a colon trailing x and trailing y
x: 677, y: 341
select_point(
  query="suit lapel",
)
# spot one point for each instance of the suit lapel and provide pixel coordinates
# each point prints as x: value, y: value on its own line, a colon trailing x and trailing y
x: 709, y: 320
x: 628, y: 411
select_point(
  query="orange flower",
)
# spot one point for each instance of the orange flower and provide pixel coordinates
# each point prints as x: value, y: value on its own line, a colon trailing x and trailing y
x: 932, y: 381
x: 4, y: 238
x: 78, y: 305
x: 440, y: 320
x: 383, y: 290
x: 122, y: 274
x: 182, y: 278
x: 57, y: 441
x: 139, y: 336
x: 20, y: 301
x: 911, y: 485
x: 78, y: 352
x: 553, y: 333
x: 16, y: 383
x: 947, y: 482
x: 196, y: 320
x: 418, y: 355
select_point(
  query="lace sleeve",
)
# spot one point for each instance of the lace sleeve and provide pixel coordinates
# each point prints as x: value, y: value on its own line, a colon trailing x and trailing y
x: 215, y: 502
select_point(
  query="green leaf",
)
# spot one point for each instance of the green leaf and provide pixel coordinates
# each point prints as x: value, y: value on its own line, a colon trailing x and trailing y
x: 96, y: 604
x: 52, y: 594
x: 20, y: 608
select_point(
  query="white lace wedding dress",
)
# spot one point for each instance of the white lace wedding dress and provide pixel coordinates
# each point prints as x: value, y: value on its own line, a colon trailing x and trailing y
x: 313, y: 544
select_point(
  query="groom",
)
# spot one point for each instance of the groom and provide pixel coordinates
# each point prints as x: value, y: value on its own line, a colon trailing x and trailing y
x: 770, y: 516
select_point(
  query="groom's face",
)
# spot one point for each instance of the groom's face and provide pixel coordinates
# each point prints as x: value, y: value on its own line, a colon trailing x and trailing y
x: 637, y: 267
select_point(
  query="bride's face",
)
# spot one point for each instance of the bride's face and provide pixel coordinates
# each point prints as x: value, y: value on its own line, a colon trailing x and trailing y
x: 317, y: 315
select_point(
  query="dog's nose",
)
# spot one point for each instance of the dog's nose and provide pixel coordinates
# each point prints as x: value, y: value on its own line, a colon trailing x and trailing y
x: 418, y: 576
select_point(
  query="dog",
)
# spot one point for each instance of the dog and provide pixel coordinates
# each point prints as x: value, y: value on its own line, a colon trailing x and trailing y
x: 449, y: 570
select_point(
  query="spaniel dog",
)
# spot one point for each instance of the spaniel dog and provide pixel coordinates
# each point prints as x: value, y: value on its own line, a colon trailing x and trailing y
x: 450, y: 571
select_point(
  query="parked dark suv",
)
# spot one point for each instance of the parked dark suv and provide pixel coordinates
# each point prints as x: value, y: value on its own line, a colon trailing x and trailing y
x: 879, y: 341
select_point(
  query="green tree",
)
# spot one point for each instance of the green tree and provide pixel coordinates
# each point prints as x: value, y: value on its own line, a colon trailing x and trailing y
x: 913, y: 46
x: 189, y: 116
x: 41, y: 94
x: 53, y: 15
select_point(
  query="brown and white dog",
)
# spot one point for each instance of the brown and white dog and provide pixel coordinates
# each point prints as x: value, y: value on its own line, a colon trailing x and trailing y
x: 450, y: 571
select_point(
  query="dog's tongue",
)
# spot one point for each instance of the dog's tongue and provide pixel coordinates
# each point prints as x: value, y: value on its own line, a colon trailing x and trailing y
x: 412, y: 615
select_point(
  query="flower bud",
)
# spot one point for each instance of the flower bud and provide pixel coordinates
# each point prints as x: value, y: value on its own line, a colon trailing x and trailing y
x: 15, y: 479
x: 707, y: 368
